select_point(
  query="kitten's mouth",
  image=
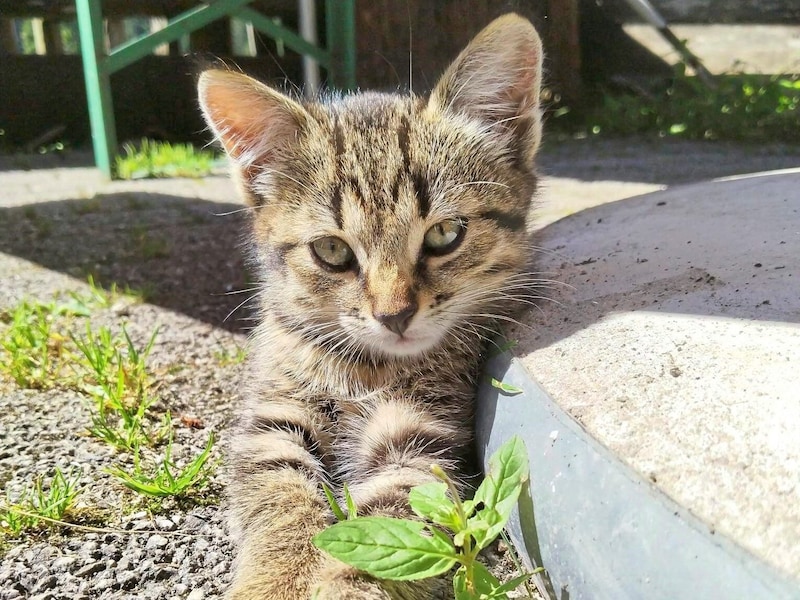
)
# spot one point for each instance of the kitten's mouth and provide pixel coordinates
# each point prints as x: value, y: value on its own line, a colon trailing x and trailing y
x: 392, y: 344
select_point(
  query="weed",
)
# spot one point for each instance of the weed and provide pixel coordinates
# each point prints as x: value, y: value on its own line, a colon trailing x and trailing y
x: 147, y: 245
x: 84, y: 303
x: 30, y: 347
x: 166, y: 480
x: 226, y: 357
x: 42, y: 225
x: 506, y: 388
x: 152, y: 247
x: 93, y: 205
x: 40, y: 504
x: 404, y: 549
x: 162, y: 159
x: 744, y: 107
x: 119, y: 386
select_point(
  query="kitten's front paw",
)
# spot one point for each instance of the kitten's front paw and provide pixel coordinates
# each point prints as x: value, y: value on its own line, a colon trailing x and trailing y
x: 341, y: 582
x: 338, y: 581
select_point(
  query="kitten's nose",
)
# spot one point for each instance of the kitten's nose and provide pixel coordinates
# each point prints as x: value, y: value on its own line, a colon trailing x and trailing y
x: 397, y: 322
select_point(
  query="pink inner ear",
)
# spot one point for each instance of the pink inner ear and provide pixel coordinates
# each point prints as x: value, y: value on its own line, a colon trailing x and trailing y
x: 497, y: 76
x: 251, y: 120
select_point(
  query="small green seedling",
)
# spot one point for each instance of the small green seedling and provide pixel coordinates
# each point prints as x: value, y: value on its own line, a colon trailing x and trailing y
x: 506, y: 387
x: 40, y: 504
x: 167, y: 480
x: 119, y: 386
x: 227, y: 357
x: 453, y: 531
x: 30, y: 347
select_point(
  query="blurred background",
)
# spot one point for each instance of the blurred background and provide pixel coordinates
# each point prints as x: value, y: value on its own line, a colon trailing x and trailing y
x: 609, y: 72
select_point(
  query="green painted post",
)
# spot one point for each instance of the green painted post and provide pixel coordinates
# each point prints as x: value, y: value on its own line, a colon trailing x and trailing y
x: 340, y: 17
x: 98, y: 84
x: 184, y: 23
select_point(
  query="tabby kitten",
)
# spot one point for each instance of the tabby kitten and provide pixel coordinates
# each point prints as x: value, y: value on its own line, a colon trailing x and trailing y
x: 391, y: 237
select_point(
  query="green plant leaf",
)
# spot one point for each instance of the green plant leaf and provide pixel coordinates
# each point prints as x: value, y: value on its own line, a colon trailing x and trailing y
x: 506, y: 387
x: 430, y: 501
x: 508, y: 470
x: 335, y: 508
x: 485, y: 526
x: 352, y: 510
x: 462, y: 591
x: 387, y: 548
x: 511, y: 585
x: 482, y: 585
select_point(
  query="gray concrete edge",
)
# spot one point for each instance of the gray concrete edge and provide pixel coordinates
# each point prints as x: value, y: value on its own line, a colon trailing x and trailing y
x: 599, y: 529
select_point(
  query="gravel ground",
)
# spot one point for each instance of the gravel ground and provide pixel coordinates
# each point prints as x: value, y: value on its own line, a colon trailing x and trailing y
x: 169, y: 245
x: 168, y: 240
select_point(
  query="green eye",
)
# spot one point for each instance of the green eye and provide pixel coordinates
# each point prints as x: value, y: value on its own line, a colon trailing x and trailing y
x: 444, y: 237
x: 333, y: 253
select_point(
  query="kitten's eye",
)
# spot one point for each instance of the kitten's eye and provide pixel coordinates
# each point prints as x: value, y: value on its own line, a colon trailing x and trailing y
x: 444, y: 237
x: 333, y: 252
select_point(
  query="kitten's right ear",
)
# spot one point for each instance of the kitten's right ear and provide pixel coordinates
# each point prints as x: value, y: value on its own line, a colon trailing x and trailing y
x: 251, y: 120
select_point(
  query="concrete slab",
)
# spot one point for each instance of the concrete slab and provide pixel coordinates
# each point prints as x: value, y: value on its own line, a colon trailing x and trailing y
x: 674, y: 342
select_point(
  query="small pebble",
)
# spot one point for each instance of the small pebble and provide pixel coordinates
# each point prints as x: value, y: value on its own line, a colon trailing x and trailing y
x: 156, y: 541
x: 165, y: 524
x: 181, y: 588
x: 162, y: 573
x: 104, y: 584
x: 47, y: 583
x: 127, y: 579
x: 63, y: 563
x: 197, y: 594
x: 90, y: 569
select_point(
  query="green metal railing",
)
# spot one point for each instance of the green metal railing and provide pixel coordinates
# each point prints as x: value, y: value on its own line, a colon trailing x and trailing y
x: 338, y: 58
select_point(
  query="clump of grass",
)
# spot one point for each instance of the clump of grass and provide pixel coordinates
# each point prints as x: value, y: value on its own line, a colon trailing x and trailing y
x: 35, y: 344
x: 40, y: 505
x: 42, y: 224
x: 39, y: 350
x: 162, y: 159
x: 119, y: 386
x: 743, y: 107
x: 226, y: 357
x: 162, y: 478
x: 404, y: 549
x: 30, y: 346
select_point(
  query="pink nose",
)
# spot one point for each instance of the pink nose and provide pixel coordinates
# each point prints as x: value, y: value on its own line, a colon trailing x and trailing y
x: 397, y: 322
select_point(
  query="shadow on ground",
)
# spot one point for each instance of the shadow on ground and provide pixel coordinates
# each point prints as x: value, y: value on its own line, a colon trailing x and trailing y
x: 660, y: 161
x: 183, y: 254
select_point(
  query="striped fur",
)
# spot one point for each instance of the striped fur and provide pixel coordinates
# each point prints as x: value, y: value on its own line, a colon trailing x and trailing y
x: 336, y: 394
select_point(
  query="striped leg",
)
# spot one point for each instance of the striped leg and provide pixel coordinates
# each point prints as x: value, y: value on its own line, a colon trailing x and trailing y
x: 279, y: 458
x: 387, y: 450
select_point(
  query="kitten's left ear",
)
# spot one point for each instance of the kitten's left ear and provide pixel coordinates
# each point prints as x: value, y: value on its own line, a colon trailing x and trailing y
x: 496, y: 80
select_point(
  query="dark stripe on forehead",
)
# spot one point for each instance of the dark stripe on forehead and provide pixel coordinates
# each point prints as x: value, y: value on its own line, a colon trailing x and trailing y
x: 336, y: 205
x: 402, y: 141
x: 358, y: 190
x: 423, y: 194
x: 506, y: 220
x: 338, y: 140
x: 336, y: 195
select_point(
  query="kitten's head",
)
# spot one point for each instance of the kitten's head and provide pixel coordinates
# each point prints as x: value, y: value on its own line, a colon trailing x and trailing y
x: 388, y: 225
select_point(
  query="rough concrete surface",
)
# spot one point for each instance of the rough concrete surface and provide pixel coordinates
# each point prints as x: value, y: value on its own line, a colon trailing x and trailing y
x: 673, y: 337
